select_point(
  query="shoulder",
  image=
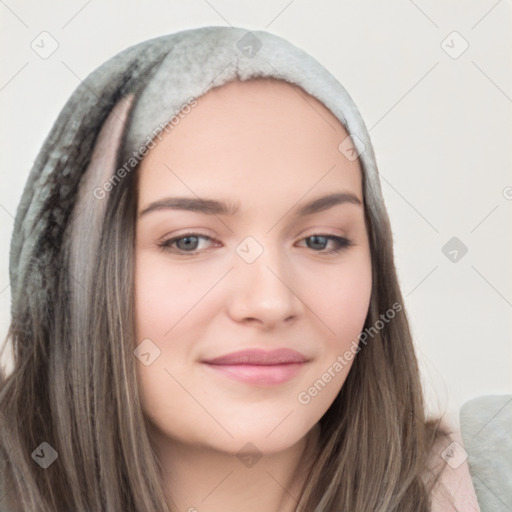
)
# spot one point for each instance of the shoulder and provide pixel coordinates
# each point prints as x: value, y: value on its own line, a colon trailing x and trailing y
x: 454, y: 489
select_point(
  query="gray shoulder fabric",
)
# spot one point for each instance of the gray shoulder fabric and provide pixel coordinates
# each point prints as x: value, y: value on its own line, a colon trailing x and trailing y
x: 162, y: 74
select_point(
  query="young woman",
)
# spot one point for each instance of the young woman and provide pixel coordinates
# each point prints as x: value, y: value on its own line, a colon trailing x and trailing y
x: 205, y: 310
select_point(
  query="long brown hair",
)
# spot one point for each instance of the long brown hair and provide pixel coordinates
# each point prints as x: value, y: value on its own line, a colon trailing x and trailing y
x: 74, y: 383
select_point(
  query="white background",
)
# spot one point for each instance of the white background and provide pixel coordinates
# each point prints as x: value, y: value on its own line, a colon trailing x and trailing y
x: 441, y: 127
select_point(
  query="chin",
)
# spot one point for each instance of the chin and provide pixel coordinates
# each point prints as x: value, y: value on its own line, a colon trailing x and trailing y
x: 260, y: 437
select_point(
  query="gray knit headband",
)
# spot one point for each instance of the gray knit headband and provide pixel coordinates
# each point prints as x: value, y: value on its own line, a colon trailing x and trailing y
x: 163, y: 75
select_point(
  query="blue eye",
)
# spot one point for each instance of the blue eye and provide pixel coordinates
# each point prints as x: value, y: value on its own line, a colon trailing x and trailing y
x: 322, y: 240
x: 188, y: 243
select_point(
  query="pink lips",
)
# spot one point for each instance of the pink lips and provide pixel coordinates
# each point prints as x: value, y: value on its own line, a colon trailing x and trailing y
x: 260, y: 367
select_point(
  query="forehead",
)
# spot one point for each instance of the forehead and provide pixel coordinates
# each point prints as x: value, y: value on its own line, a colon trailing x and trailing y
x: 252, y: 136
x: 268, y: 101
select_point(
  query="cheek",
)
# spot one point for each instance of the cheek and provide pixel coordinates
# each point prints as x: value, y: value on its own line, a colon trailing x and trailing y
x: 164, y: 296
x: 165, y: 315
x: 341, y: 297
x: 341, y: 301
x: 353, y: 300
x: 172, y: 310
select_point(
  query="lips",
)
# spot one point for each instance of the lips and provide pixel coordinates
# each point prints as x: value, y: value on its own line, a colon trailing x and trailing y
x: 258, y: 366
x: 259, y: 357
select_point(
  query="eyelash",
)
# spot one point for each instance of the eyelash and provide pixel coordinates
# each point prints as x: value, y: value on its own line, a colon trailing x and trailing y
x: 342, y: 243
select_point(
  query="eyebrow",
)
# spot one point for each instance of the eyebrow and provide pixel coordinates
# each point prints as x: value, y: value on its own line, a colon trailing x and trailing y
x: 214, y: 207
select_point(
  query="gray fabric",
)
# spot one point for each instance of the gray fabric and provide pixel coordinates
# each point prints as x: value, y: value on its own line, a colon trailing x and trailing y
x: 486, y: 430
x: 163, y: 74
x: 50, y: 192
x: 209, y: 57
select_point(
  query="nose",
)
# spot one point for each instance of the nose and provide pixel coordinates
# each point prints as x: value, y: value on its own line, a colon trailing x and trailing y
x: 264, y: 292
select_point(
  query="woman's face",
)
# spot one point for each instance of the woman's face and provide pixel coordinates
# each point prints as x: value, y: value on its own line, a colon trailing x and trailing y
x: 249, y: 299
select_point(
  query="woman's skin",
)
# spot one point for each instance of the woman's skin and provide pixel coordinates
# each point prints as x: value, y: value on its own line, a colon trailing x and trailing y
x: 226, y: 443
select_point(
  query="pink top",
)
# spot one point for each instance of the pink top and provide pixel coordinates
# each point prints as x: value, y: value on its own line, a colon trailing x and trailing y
x: 454, y: 491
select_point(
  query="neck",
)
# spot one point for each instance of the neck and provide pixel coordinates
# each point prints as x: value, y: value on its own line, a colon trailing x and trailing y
x: 202, y: 479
